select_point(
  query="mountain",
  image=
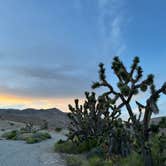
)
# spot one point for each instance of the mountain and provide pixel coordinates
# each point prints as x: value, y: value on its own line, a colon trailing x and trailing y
x: 53, y: 116
x: 156, y: 120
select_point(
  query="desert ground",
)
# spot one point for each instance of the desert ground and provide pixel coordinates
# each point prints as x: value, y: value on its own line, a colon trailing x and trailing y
x: 18, y: 153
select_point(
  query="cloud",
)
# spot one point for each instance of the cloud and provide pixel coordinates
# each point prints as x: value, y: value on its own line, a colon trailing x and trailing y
x: 57, y: 60
x: 111, y: 22
x: 57, y: 73
x: 41, y: 82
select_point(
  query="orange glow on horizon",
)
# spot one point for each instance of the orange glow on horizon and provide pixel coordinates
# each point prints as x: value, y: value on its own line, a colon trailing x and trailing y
x: 12, y: 101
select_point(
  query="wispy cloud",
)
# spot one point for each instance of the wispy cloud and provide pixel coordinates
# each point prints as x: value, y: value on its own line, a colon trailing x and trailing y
x: 111, y: 22
x: 42, y: 82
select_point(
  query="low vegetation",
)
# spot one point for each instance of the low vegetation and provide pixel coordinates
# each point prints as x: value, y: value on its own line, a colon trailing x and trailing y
x: 72, y: 148
x: 58, y: 129
x: 37, y: 137
x: 162, y: 123
x: 29, y: 135
x: 98, y: 131
x: 76, y: 161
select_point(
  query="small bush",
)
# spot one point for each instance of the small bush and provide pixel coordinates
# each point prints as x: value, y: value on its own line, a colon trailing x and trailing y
x: 154, y: 128
x: 97, y: 151
x: 71, y: 148
x: 11, y: 124
x: 31, y: 140
x: 96, y: 161
x: 42, y: 135
x: 28, y: 137
x: 158, y: 149
x: 61, y: 141
x: 133, y: 159
x: 46, y: 135
x: 162, y: 123
x: 58, y: 129
x: 66, y: 147
x: 75, y: 161
x: 37, y: 137
x: 108, y: 163
x: 10, y: 135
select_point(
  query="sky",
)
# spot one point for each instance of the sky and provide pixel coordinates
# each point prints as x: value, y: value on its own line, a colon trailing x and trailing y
x: 50, y: 49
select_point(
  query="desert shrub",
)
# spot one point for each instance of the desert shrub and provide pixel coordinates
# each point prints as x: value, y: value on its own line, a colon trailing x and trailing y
x: 27, y: 130
x: 47, y: 135
x: 58, y: 129
x: 162, y: 123
x: 38, y: 137
x: 72, y: 148
x: 158, y: 149
x: 108, y: 163
x: 11, y: 124
x: 42, y: 135
x: 10, y: 135
x: 87, y: 145
x: 75, y: 161
x: 93, y: 161
x: 23, y: 136
x: 97, y: 151
x: 65, y: 147
x: 28, y: 137
x: 31, y: 140
x: 97, y: 161
x: 133, y: 159
x: 61, y: 141
x: 23, y: 130
x: 154, y: 128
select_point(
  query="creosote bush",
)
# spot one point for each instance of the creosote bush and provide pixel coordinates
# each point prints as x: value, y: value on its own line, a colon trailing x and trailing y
x: 76, y: 161
x: 30, y: 138
x: 58, y: 129
x: 72, y: 148
x: 10, y: 135
x: 162, y: 123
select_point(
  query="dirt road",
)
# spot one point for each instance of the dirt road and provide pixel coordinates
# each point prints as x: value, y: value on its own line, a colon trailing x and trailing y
x: 18, y: 153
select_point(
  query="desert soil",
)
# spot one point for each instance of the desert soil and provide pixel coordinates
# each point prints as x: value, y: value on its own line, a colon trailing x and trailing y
x: 18, y: 153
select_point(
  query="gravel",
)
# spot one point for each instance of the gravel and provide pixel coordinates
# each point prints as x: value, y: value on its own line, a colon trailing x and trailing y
x: 18, y: 153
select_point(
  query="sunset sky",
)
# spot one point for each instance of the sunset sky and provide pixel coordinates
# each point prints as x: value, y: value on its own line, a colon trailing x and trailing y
x: 50, y: 49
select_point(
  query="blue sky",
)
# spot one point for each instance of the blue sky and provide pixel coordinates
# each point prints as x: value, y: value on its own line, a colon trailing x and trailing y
x: 50, y: 49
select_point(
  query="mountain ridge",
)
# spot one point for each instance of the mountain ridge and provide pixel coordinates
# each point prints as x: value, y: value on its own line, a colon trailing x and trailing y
x: 53, y: 116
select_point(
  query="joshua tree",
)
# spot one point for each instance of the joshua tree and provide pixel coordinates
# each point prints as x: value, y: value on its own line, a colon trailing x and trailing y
x: 28, y: 127
x: 119, y: 139
x: 86, y: 119
x: 94, y: 120
x: 129, y: 84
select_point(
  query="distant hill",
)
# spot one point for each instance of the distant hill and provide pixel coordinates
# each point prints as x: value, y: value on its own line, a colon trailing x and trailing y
x: 53, y: 116
x: 156, y: 120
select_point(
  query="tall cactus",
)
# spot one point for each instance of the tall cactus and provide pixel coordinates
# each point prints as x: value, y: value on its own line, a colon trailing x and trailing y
x: 98, y: 118
x: 86, y: 119
x: 129, y: 84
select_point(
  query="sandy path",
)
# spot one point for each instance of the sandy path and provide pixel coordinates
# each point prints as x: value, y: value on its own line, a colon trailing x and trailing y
x: 18, y: 153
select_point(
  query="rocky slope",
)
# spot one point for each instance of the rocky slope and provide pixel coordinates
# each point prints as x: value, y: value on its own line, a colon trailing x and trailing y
x: 54, y: 117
